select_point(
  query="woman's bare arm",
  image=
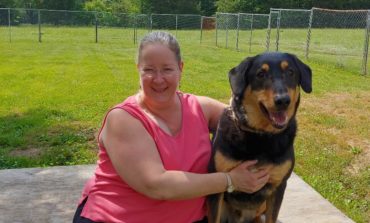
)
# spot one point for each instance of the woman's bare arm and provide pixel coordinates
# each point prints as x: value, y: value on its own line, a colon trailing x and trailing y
x: 136, y: 159
x: 212, y: 110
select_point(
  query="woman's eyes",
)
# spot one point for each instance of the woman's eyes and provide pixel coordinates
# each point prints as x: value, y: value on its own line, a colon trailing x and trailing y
x: 151, y: 69
x: 148, y: 70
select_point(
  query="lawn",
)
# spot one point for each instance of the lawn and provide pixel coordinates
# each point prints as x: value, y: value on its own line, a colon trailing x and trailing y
x: 54, y: 95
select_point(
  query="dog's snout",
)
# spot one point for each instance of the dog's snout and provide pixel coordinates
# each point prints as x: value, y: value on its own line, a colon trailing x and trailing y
x: 282, y: 101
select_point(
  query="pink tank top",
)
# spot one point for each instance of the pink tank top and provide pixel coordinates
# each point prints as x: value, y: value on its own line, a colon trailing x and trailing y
x: 110, y: 199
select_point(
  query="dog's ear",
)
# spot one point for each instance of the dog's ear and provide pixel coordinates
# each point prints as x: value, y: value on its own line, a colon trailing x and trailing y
x: 305, y: 74
x: 238, y: 76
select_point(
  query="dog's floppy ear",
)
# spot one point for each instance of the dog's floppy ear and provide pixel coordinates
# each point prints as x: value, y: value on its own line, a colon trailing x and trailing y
x: 305, y: 74
x: 237, y: 76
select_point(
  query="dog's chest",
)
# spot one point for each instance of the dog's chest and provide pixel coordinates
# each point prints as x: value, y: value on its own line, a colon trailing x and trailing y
x: 244, y: 145
x: 233, y: 146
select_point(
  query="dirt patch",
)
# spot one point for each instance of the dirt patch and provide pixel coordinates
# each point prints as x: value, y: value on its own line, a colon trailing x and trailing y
x: 31, y: 152
x: 362, y: 161
x: 354, y: 110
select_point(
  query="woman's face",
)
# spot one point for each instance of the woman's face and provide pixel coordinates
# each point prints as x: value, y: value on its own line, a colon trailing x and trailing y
x: 159, y: 71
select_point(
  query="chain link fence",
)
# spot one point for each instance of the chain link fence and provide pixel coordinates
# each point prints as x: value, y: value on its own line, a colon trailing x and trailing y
x: 336, y: 36
x: 340, y: 36
x: 59, y: 26
x: 289, y: 29
x: 244, y: 31
x: 179, y: 24
x: 252, y: 32
x: 208, y: 30
x: 226, y: 30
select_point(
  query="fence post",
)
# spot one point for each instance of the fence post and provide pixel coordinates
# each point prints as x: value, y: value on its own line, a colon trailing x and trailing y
x: 309, y: 34
x: 268, y: 35
x: 201, y: 29
x: 250, y: 37
x: 9, y: 24
x: 176, y: 25
x: 237, y: 32
x: 227, y: 31
x: 216, y: 29
x: 278, y: 30
x: 135, y: 34
x: 366, y: 48
x: 96, y: 27
x: 39, y: 21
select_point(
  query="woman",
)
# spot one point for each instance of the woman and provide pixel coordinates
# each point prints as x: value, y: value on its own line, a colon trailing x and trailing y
x: 155, y: 148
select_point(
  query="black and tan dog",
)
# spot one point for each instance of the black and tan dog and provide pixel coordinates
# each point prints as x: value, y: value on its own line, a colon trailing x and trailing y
x: 259, y: 125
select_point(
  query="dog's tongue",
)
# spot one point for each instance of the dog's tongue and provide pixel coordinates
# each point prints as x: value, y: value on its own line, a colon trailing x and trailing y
x: 278, y: 117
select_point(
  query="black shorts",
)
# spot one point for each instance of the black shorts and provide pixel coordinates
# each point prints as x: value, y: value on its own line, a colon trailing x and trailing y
x: 79, y: 219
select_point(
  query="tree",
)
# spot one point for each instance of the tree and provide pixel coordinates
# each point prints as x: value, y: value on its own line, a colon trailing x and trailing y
x: 170, y: 6
x: 248, y: 6
x: 207, y: 7
x: 114, y: 6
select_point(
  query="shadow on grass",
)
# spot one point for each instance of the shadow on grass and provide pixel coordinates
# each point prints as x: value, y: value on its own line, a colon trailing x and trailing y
x: 45, y: 137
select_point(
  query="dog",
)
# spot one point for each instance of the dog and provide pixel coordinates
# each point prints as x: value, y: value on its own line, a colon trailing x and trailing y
x: 259, y: 124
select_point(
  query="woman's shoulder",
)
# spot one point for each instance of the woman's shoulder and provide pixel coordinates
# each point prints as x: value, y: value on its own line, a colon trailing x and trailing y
x: 210, y: 103
x: 212, y: 109
x: 202, y: 100
x: 130, y: 100
x: 124, y: 112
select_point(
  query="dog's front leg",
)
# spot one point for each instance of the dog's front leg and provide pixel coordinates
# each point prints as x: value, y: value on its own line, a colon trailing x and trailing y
x: 273, y: 203
x: 215, y: 205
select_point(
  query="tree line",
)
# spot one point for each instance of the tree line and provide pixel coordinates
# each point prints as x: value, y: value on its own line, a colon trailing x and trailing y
x: 203, y: 7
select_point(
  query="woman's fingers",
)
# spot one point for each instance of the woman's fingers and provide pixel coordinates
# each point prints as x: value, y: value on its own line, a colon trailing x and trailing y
x: 249, y: 164
x: 263, y: 179
x: 249, y: 178
x: 261, y: 173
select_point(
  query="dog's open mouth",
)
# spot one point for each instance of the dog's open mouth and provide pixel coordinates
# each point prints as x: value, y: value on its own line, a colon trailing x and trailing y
x: 278, y: 119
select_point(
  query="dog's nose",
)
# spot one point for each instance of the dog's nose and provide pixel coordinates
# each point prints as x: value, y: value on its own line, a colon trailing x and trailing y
x: 282, y: 101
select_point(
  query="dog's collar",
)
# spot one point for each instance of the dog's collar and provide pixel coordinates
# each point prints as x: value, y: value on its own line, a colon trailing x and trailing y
x: 240, y: 119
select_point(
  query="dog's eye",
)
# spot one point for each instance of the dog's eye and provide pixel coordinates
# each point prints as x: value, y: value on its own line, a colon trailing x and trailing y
x: 261, y: 74
x: 290, y: 72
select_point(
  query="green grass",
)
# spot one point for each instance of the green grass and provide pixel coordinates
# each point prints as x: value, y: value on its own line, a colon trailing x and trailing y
x: 54, y: 95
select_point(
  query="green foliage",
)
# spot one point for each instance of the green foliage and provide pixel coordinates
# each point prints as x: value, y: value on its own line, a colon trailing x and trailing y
x: 116, y: 6
x: 207, y: 7
x: 171, y: 7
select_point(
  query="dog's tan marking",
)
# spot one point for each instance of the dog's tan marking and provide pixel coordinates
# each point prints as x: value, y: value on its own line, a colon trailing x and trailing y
x: 265, y: 67
x: 247, y: 214
x: 261, y: 209
x: 284, y: 65
x: 223, y: 163
x: 269, y: 209
x: 256, y: 119
x: 277, y: 173
x: 220, y: 207
x: 294, y: 95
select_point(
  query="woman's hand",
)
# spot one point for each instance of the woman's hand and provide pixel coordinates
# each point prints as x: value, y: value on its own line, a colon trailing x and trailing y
x: 248, y: 178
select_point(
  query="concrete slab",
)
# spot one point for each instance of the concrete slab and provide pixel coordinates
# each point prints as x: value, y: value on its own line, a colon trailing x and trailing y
x: 50, y: 195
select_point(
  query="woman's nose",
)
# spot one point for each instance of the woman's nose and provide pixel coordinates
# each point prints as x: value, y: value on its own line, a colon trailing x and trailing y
x: 158, y: 77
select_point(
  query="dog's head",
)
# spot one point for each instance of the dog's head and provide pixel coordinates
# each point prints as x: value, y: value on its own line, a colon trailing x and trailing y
x: 266, y: 89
